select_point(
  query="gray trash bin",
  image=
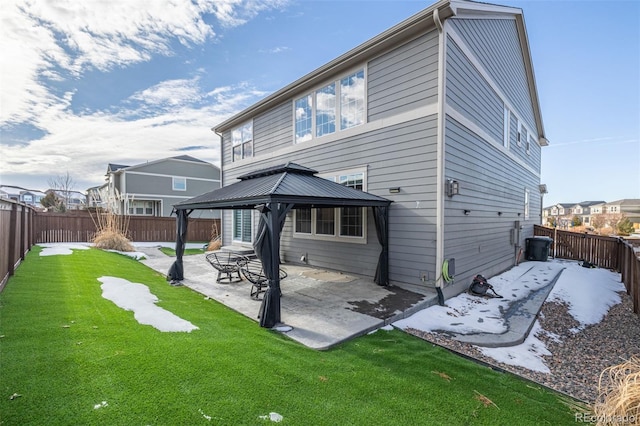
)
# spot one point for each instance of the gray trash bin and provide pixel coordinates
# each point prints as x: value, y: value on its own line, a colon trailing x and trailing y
x: 537, y: 248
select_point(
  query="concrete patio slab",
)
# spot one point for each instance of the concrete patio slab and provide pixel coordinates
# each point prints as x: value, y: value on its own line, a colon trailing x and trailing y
x: 319, y: 308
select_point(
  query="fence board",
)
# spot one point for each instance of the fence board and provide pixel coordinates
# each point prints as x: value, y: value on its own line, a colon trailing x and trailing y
x: 64, y: 228
x: 16, y: 225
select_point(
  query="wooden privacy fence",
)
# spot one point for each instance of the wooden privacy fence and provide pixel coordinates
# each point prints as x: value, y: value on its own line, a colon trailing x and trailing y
x: 65, y: 228
x: 16, y: 231
x: 605, y: 252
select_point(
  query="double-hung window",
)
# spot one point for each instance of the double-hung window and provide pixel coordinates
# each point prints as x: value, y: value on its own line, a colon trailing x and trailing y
x: 336, y: 106
x: 242, y: 141
x: 343, y: 224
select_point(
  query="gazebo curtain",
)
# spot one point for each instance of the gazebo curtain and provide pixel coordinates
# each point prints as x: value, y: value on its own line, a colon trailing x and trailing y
x: 267, y: 248
x: 176, y: 272
x: 381, y: 219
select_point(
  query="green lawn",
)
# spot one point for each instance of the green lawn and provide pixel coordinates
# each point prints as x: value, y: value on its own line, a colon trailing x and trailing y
x: 64, y: 349
x: 172, y: 252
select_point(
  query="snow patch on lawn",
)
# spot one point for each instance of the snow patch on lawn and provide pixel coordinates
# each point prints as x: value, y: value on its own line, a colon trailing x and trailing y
x: 53, y: 249
x: 136, y: 297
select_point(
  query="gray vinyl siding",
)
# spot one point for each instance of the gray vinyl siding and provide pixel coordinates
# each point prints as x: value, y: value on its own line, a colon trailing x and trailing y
x: 471, y: 95
x: 404, y: 78
x: 490, y: 183
x: 402, y: 155
x: 143, y: 185
x: 273, y: 130
x: 497, y: 47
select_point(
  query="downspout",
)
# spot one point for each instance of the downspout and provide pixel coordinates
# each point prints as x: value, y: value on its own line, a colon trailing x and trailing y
x: 221, y: 211
x: 439, y: 283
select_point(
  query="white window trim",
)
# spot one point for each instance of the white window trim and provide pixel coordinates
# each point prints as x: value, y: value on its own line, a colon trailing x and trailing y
x: 336, y: 212
x: 527, y: 202
x: 312, y: 92
x: 506, y: 135
x: 233, y: 145
x: 176, y: 179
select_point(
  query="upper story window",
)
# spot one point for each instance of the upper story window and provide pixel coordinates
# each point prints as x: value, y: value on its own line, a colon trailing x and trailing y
x: 179, y: 184
x: 530, y: 142
x: 242, y: 141
x: 317, y: 113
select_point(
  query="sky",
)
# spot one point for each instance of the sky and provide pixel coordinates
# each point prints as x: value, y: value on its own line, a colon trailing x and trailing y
x: 87, y: 83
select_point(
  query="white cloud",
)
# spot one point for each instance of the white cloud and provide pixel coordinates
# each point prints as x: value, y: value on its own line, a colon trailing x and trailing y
x: 83, y: 145
x: 47, y: 46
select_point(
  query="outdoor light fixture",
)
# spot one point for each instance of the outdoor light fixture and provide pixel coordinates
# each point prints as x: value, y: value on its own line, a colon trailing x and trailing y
x: 543, y: 189
x: 467, y: 212
x: 453, y: 187
x: 394, y: 190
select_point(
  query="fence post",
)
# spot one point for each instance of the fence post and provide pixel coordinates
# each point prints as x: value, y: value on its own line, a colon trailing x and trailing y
x: 12, y: 239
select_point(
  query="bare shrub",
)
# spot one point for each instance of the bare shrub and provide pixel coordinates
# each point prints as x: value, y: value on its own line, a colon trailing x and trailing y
x: 110, y: 240
x: 216, y: 239
x: 111, y: 228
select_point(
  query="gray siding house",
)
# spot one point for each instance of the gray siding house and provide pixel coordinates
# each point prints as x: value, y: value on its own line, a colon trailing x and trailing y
x: 439, y: 114
x: 152, y: 188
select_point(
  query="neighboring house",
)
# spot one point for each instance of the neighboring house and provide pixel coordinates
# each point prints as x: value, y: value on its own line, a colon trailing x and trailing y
x: 563, y: 213
x: 152, y: 188
x: 23, y: 195
x: 439, y: 114
x: 629, y: 207
x: 32, y: 198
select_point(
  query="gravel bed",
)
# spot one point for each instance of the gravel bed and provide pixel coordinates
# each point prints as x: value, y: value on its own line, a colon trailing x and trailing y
x: 577, y: 358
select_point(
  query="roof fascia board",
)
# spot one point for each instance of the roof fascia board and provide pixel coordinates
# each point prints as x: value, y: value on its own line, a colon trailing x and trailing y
x: 533, y: 90
x: 419, y: 23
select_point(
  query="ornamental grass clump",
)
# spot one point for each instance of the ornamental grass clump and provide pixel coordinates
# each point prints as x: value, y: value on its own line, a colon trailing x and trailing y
x: 619, y: 394
x: 111, y: 229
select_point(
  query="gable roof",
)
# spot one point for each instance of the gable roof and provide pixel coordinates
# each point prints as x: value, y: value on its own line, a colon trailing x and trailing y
x: 411, y: 27
x: 286, y: 183
x: 112, y: 168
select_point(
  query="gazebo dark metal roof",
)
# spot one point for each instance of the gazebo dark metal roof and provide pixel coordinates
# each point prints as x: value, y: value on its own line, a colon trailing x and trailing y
x: 287, y: 183
x: 274, y: 191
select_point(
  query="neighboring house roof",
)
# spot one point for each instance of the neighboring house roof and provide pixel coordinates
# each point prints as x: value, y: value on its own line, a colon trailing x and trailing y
x: 112, y: 168
x: 115, y: 167
x: 590, y: 203
x: 626, y: 202
x: 287, y: 183
x: 413, y: 26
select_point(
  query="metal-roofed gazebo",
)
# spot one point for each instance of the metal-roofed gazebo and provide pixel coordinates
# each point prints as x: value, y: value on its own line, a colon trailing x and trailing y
x: 274, y: 192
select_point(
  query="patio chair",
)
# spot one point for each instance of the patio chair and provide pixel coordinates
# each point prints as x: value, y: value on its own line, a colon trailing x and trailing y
x: 226, y: 263
x: 252, y: 270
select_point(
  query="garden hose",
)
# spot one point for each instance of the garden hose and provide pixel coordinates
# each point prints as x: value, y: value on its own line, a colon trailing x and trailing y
x: 445, y: 271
